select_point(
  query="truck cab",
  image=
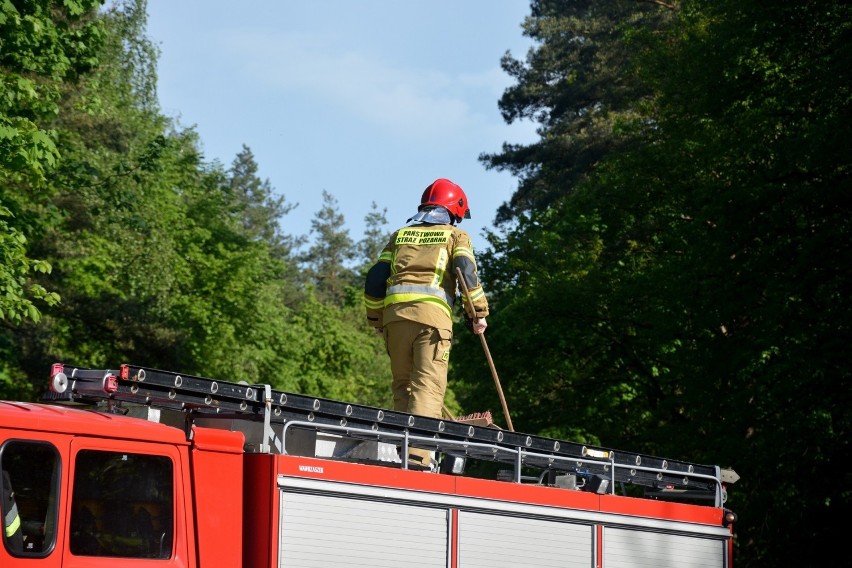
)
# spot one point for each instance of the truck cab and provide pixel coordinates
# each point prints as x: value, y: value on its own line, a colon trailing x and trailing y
x: 86, y: 488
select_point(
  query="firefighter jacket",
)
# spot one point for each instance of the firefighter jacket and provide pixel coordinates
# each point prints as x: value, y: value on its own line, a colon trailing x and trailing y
x: 415, y: 277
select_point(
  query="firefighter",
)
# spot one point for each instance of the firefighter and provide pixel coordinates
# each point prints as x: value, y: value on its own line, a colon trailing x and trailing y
x: 409, y: 295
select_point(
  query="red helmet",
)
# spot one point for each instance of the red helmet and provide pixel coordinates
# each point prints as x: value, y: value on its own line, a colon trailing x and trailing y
x: 445, y: 193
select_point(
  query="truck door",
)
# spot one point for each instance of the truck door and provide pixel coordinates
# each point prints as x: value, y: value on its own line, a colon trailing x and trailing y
x: 30, y: 498
x: 126, y: 506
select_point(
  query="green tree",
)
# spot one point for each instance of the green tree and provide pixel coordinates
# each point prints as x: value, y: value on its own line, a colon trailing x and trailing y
x: 683, y: 296
x: 262, y: 210
x: 105, y: 205
x: 163, y: 259
x: 573, y: 83
x: 326, y: 260
x: 43, y: 46
x: 751, y: 96
x: 335, y: 355
x: 579, y: 84
x: 115, y: 218
x: 376, y: 235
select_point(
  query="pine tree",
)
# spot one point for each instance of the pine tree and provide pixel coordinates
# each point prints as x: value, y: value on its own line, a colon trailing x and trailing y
x: 262, y: 211
x: 375, y: 234
x: 326, y: 260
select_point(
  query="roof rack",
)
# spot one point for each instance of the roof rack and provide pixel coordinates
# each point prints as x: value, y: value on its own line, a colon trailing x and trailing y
x: 208, y: 399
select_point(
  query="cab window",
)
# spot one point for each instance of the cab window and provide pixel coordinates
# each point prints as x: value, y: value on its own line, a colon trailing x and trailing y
x: 29, y: 495
x: 122, y: 505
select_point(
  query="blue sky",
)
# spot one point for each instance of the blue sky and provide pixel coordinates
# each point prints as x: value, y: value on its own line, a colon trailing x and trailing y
x: 370, y: 100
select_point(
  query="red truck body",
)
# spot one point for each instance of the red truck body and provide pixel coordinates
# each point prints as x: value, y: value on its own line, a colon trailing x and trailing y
x: 95, y: 489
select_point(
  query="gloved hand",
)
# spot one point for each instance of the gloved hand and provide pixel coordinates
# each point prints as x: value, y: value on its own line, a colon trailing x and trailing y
x: 479, y: 326
x: 476, y: 326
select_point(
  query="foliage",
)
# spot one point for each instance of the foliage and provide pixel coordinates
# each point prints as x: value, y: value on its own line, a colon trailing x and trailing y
x: 681, y: 293
x: 161, y: 259
x: 334, y: 357
x: 16, y: 293
x: 670, y: 276
x: 43, y: 46
x: 262, y: 210
x: 766, y: 230
x: 573, y: 84
x: 376, y: 235
x: 326, y: 260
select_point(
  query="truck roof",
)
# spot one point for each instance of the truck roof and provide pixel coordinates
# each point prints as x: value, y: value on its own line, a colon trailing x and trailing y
x: 28, y: 416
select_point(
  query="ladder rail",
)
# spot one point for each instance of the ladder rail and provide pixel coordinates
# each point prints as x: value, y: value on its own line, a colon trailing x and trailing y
x: 209, y: 398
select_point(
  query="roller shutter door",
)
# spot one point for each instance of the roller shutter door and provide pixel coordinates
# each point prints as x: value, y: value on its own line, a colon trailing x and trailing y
x: 623, y: 548
x: 495, y: 541
x: 320, y: 531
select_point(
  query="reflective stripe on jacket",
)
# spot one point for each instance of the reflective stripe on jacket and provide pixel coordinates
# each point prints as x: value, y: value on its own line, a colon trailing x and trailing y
x: 12, y: 521
x: 415, y: 277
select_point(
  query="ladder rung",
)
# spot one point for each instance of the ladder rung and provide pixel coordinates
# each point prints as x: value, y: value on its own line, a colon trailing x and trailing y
x: 210, y: 398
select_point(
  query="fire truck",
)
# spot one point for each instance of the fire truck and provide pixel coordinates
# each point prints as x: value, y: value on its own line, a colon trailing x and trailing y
x: 140, y: 467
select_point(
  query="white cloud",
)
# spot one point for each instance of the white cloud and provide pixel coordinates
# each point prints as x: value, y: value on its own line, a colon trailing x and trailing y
x: 409, y: 103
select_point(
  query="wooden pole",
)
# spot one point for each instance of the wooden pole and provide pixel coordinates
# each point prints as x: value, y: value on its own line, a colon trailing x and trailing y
x: 487, y: 352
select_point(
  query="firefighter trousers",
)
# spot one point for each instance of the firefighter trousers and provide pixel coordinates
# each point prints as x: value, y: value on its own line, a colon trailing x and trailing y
x: 419, y: 357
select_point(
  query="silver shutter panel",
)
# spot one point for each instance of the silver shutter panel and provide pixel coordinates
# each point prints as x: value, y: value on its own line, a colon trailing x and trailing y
x: 496, y: 541
x: 321, y: 531
x: 624, y: 548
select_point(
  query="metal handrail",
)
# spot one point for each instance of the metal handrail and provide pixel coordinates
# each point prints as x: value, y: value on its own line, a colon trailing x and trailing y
x: 518, y: 453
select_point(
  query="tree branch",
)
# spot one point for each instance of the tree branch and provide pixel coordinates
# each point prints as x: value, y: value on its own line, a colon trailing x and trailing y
x: 660, y: 3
